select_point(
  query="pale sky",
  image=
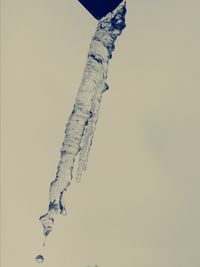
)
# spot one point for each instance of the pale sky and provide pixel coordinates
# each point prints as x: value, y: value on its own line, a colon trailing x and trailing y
x: 138, y: 202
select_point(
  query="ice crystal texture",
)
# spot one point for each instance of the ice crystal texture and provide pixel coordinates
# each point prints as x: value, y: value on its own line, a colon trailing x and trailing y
x: 81, y: 125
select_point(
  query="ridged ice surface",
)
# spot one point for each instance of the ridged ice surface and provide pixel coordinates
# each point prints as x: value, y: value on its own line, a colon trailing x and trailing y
x: 81, y: 125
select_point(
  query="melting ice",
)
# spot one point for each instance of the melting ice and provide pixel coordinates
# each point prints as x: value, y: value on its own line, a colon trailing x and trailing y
x: 81, y: 125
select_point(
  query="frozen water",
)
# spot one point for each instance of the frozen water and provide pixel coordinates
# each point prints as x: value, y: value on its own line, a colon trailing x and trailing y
x: 81, y: 125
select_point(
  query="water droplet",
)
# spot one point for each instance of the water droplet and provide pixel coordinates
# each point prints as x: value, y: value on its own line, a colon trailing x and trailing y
x: 39, y: 258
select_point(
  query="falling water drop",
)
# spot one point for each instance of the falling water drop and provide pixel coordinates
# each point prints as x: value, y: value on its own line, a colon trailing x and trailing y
x: 39, y: 258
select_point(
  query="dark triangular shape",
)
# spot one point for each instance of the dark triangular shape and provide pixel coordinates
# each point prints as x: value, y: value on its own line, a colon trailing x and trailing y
x: 99, y: 8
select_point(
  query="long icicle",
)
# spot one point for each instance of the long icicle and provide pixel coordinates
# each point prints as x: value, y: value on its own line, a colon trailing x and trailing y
x: 82, y: 121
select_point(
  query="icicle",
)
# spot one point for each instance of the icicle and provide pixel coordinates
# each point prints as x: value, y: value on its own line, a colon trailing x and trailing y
x: 82, y: 121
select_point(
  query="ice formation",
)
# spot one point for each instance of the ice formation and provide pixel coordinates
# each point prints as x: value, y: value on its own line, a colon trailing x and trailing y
x: 81, y: 125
